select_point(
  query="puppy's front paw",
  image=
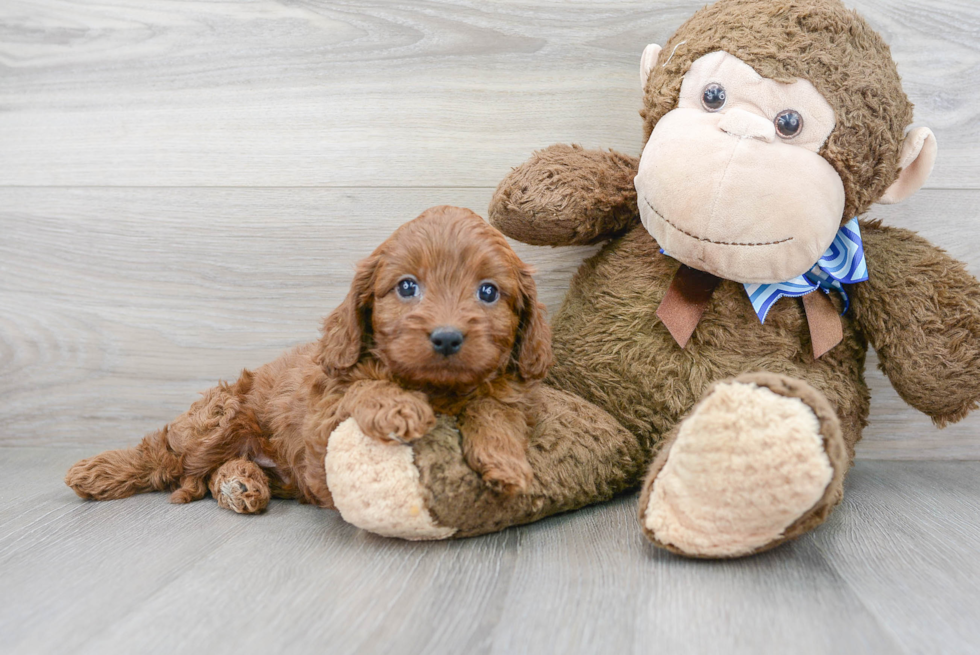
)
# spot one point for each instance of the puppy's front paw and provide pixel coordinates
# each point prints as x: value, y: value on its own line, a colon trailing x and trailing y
x: 509, y: 478
x: 403, y: 417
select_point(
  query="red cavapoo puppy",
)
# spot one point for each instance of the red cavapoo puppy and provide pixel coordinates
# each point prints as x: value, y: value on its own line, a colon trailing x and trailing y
x: 443, y: 317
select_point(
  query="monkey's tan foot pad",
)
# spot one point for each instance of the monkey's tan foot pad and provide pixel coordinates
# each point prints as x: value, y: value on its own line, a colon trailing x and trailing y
x: 241, y: 486
x: 751, y: 466
x: 376, y: 487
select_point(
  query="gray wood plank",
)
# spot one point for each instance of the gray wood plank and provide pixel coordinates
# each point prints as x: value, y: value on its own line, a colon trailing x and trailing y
x: 894, y: 571
x: 119, y: 305
x: 381, y: 93
x: 329, y: 588
x: 906, y: 542
x: 71, y: 569
x: 596, y: 585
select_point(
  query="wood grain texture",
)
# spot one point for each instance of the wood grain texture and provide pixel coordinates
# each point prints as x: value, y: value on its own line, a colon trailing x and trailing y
x: 351, y: 93
x: 894, y: 571
x: 119, y: 305
x: 913, y: 584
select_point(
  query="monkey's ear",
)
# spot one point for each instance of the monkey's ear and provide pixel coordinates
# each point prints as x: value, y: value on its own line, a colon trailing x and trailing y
x: 533, y: 348
x: 916, y: 162
x: 344, y: 328
x: 647, y: 60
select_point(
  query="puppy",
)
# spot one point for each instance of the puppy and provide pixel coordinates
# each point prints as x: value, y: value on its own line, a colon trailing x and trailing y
x: 443, y: 317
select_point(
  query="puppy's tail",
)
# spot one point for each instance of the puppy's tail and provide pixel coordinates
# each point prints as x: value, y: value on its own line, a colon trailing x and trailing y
x: 150, y: 466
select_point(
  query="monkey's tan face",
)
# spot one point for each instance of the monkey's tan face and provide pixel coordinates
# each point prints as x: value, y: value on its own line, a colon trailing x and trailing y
x: 731, y: 182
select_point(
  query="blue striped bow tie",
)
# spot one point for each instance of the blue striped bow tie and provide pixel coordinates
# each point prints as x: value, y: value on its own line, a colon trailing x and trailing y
x: 843, y: 263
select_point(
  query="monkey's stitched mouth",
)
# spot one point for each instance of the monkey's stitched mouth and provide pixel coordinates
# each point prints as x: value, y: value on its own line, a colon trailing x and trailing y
x: 717, y: 243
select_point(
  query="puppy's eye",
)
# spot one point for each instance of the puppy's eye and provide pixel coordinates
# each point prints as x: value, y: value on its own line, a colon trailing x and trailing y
x: 789, y: 123
x: 487, y: 292
x: 407, y: 288
x: 713, y: 97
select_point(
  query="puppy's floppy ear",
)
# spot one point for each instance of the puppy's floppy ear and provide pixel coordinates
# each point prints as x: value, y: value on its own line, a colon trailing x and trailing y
x: 344, y: 328
x: 532, y: 350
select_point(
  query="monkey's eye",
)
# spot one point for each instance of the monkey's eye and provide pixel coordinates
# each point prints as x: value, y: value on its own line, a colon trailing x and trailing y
x: 487, y: 292
x: 789, y: 123
x: 407, y: 287
x: 713, y: 97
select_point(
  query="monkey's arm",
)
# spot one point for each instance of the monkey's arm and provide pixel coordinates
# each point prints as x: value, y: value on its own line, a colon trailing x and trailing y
x: 920, y: 309
x: 565, y: 195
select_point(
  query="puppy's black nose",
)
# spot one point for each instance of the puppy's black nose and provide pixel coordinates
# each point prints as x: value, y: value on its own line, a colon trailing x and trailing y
x: 446, y: 340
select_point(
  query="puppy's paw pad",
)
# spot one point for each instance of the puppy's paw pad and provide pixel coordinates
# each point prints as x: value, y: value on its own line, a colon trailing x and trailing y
x: 243, y: 495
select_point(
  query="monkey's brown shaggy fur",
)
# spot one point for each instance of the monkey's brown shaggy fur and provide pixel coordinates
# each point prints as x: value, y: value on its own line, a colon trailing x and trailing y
x: 267, y: 433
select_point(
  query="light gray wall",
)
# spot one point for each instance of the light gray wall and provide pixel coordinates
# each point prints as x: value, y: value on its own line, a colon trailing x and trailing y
x: 185, y: 186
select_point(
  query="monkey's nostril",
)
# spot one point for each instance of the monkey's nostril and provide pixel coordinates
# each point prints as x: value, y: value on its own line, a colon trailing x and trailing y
x: 446, y: 340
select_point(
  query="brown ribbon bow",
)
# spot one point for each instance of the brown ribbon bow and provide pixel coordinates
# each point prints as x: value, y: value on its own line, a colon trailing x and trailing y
x: 690, y: 292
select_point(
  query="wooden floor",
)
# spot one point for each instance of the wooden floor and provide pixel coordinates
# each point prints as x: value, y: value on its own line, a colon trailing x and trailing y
x: 185, y: 187
x: 894, y: 571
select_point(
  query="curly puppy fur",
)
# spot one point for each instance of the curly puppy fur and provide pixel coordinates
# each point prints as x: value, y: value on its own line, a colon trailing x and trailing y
x: 266, y: 434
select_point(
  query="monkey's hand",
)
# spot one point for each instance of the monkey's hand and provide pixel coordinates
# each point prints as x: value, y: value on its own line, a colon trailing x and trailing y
x: 565, y: 195
x: 920, y: 309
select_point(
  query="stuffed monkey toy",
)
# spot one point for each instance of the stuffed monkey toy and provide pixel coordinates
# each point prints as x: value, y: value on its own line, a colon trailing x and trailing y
x: 716, y: 343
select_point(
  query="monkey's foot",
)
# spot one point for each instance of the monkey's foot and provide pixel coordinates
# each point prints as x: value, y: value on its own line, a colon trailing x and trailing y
x: 758, y: 461
x: 375, y: 486
x: 241, y: 486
